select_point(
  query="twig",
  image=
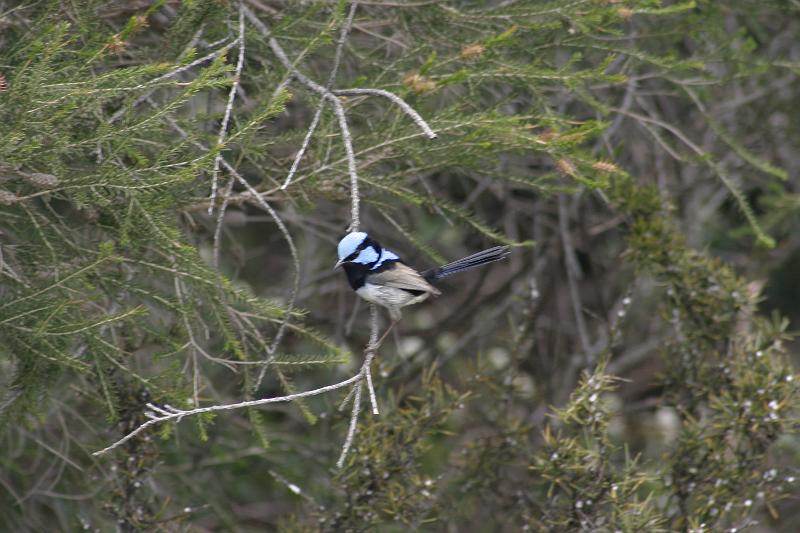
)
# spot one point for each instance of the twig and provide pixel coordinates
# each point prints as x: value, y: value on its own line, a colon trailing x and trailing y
x: 5, y: 267
x: 166, y: 413
x: 351, y: 430
x: 372, y: 399
x: 295, y: 260
x: 158, y: 414
x: 355, y: 198
x: 223, y: 129
x: 306, y: 141
x: 371, y: 348
x: 418, y: 120
x: 293, y: 488
x: 244, y: 197
x: 347, y: 399
x: 729, y: 183
x: 226, y: 195
x: 196, y: 348
x: 337, y: 108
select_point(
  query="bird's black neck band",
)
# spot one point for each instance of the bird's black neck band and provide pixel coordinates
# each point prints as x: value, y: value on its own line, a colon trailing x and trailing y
x: 356, y: 274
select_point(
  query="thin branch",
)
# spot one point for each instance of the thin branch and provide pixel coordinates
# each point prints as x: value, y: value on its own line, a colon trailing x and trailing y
x: 669, y: 127
x: 166, y: 413
x: 295, y: 260
x: 351, y: 430
x: 223, y: 129
x: 355, y: 198
x: 729, y: 183
x: 226, y: 195
x: 347, y: 399
x: 410, y: 111
x: 293, y: 488
x: 371, y: 388
x: 6, y: 267
x: 306, y: 141
x: 245, y: 197
x: 196, y: 348
x: 281, y: 55
x: 373, y: 339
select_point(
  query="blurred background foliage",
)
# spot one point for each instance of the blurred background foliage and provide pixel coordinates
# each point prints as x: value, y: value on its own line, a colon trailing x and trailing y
x: 629, y: 368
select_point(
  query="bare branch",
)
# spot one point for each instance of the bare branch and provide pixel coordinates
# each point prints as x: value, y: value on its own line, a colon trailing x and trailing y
x: 351, y: 430
x: 373, y: 339
x: 171, y: 413
x: 355, y: 198
x: 193, y: 344
x: 157, y: 414
x: 416, y: 117
x: 306, y: 141
x: 223, y: 129
x: 226, y: 195
x: 347, y: 399
x: 338, y: 109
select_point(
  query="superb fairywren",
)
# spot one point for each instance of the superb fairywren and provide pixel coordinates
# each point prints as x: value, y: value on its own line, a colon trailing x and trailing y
x: 379, y: 275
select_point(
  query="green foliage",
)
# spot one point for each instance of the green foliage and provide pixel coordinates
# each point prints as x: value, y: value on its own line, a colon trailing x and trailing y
x: 638, y: 155
x: 585, y: 485
x: 383, y: 481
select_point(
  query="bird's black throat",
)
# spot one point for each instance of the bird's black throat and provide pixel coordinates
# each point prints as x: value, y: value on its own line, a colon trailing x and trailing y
x: 356, y: 274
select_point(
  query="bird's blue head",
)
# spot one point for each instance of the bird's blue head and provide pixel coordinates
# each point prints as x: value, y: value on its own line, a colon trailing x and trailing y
x: 357, y: 247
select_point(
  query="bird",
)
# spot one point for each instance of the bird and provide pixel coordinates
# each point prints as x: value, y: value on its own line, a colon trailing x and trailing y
x: 379, y: 276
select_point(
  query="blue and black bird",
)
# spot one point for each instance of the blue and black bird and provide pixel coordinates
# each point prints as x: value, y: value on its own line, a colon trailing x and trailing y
x: 379, y: 275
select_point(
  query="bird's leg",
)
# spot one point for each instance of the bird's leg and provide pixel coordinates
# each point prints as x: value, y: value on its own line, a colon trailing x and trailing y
x: 383, y: 337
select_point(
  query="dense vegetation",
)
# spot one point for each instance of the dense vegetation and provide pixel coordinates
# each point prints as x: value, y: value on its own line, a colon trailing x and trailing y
x: 174, y: 177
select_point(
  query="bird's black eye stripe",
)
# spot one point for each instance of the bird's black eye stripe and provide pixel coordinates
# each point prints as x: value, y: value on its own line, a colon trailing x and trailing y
x: 362, y: 246
x: 366, y: 243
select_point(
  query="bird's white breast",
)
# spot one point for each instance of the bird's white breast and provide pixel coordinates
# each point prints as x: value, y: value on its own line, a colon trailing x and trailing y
x: 389, y: 297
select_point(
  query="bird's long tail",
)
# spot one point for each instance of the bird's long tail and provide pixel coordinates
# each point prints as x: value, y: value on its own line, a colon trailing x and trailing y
x: 471, y: 261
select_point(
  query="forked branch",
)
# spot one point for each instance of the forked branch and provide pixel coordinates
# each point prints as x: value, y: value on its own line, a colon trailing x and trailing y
x: 326, y: 93
x: 166, y: 413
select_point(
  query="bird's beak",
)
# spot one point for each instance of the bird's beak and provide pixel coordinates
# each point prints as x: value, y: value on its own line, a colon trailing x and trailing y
x: 338, y: 264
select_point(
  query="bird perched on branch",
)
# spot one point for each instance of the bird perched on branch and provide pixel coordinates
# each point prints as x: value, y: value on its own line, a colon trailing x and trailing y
x: 379, y: 275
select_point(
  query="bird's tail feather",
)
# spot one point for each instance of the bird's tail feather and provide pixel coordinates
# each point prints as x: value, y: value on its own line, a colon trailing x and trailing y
x: 471, y: 261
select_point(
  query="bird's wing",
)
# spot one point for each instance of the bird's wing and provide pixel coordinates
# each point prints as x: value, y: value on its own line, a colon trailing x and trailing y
x: 401, y: 276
